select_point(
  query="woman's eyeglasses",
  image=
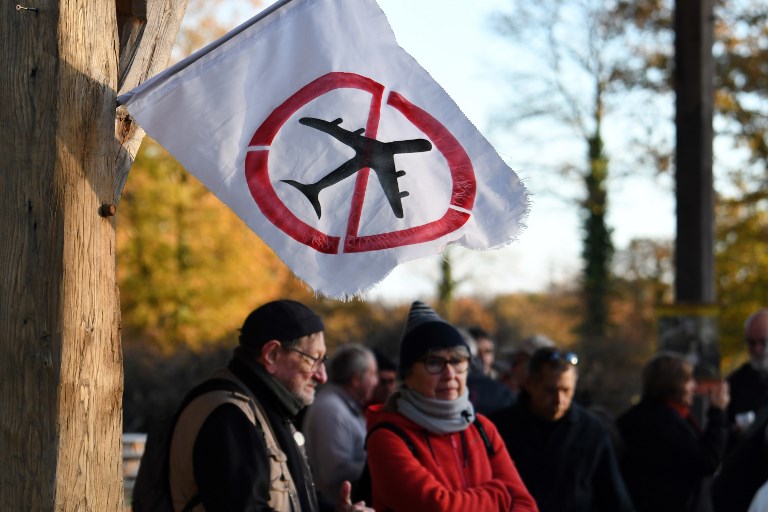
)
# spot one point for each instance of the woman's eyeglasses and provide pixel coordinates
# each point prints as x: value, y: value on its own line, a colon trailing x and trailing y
x: 435, y: 364
x: 315, y: 361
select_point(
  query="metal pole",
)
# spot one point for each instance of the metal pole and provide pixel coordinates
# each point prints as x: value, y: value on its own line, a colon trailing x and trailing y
x: 694, y: 259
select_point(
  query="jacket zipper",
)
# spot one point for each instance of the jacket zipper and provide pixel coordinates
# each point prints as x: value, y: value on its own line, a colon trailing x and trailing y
x: 458, y: 459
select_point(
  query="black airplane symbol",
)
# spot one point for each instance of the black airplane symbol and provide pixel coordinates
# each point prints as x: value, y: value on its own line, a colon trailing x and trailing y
x: 377, y: 155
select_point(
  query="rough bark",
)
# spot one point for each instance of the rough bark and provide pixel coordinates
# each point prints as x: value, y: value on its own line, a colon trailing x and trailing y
x: 60, y: 354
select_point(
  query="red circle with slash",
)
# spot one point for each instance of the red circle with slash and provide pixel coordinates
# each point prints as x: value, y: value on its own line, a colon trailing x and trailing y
x: 263, y: 192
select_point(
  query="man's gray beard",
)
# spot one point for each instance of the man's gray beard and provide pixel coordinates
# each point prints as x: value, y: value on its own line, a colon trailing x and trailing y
x: 305, y: 401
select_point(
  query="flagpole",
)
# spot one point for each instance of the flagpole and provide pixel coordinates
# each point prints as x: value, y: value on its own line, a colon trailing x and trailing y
x: 184, y: 63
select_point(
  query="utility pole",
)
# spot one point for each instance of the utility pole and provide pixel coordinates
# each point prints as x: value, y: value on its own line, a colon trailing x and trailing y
x: 690, y: 325
x: 694, y: 259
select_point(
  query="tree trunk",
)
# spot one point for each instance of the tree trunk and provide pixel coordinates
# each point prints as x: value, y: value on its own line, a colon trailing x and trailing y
x: 60, y: 354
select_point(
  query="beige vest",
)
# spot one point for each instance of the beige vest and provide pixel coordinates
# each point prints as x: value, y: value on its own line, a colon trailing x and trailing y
x: 282, y: 493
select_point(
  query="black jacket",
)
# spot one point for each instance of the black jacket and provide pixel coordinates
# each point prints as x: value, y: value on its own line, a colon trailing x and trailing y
x: 230, y: 456
x: 568, y: 465
x: 744, y: 469
x: 749, y: 392
x: 488, y: 395
x: 667, y: 458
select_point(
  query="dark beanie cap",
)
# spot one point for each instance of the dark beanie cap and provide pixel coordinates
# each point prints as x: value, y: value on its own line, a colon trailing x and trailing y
x: 426, y: 332
x: 281, y: 320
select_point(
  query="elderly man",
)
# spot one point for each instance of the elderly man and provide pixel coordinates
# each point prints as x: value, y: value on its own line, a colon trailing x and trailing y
x: 486, y: 350
x: 234, y: 444
x: 387, y: 378
x: 749, y: 384
x: 563, y: 452
x: 335, y: 425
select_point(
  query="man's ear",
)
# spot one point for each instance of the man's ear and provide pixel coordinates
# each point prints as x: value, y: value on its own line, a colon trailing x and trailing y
x: 270, y: 352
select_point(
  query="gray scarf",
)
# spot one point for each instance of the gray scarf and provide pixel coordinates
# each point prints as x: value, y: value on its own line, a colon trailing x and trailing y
x: 437, y: 416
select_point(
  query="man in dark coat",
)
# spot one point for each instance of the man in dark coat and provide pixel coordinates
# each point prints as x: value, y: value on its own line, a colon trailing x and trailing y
x: 227, y: 463
x: 485, y: 392
x: 563, y: 452
x: 749, y: 383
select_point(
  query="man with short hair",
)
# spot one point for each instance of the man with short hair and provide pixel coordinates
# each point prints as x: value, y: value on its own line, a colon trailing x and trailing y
x: 487, y: 394
x: 486, y: 350
x: 749, y: 383
x: 387, y: 378
x: 244, y: 453
x: 335, y: 424
x: 563, y: 452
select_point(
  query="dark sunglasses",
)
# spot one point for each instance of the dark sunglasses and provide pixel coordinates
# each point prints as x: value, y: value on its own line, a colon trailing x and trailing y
x: 556, y: 355
x: 568, y: 357
x: 753, y: 342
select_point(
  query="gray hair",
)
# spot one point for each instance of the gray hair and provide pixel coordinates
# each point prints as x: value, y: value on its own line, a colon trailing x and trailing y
x: 753, y: 317
x: 349, y: 361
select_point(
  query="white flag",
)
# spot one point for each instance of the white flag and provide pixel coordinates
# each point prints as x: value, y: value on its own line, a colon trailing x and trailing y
x: 332, y: 144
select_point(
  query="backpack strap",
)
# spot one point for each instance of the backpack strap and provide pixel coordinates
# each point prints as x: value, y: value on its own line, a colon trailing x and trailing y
x: 393, y: 428
x: 484, y: 435
x: 362, y: 488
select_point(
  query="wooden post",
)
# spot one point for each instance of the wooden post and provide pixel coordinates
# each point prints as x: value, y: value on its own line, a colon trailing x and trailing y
x: 63, y: 153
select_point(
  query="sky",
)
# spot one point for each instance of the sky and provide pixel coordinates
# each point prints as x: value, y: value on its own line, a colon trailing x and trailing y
x: 459, y: 48
x: 456, y: 44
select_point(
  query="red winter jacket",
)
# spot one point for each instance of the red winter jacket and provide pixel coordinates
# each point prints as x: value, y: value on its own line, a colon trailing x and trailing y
x: 448, y: 474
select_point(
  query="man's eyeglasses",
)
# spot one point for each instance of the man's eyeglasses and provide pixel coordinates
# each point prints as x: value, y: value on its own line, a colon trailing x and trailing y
x: 753, y: 342
x: 316, y: 361
x: 435, y: 364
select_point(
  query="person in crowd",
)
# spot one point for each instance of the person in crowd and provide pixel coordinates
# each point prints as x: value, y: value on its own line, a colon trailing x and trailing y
x: 760, y: 501
x: 749, y: 383
x: 334, y: 425
x: 387, y: 378
x: 486, y: 393
x: 563, y: 452
x: 246, y: 453
x: 486, y: 351
x: 668, y: 457
x: 744, y: 471
x: 427, y: 449
x: 517, y: 358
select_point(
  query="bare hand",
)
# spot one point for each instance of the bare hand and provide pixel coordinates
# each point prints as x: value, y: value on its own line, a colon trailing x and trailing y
x: 344, y: 503
x: 720, y: 395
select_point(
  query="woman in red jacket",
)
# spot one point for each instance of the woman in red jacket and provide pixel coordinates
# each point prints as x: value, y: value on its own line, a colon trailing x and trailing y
x: 427, y: 450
